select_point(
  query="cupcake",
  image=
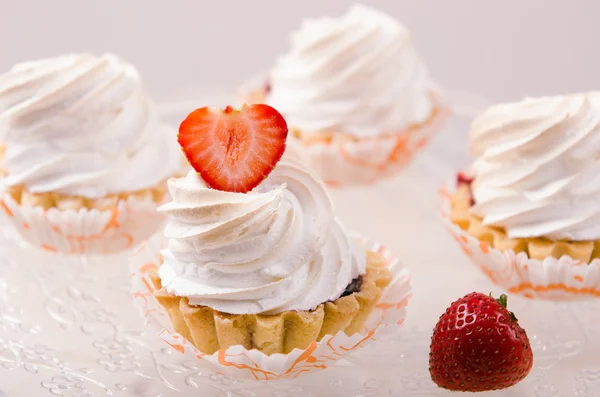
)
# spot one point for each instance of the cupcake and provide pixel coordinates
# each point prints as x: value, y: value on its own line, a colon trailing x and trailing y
x: 356, y: 95
x: 255, y: 256
x: 84, y: 156
x: 531, y: 195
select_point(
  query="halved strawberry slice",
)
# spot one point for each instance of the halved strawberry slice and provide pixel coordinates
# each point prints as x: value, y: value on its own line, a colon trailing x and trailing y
x: 233, y: 150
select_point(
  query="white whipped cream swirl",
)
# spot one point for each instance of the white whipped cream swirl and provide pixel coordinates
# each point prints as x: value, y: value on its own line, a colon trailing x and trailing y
x: 357, y: 74
x: 276, y: 248
x: 82, y: 125
x: 538, y: 167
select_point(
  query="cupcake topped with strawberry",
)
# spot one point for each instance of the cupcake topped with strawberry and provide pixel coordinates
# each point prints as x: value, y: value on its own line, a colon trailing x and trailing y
x: 251, y: 235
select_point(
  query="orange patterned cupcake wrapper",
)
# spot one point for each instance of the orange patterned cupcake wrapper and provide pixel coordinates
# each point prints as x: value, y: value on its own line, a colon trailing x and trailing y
x: 238, y: 362
x: 350, y: 161
x: 564, y: 278
x: 86, y: 231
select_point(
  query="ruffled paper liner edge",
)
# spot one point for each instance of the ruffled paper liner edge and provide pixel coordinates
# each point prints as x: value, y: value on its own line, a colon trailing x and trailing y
x: 86, y: 231
x: 550, y: 279
x: 211, y: 330
x: 237, y: 362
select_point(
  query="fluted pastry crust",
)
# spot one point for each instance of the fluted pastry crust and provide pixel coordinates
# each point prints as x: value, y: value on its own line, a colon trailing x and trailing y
x: 210, y: 330
x: 536, y: 248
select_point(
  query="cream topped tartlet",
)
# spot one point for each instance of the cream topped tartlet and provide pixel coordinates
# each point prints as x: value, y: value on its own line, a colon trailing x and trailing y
x: 534, y: 185
x: 255, y: 255
x: 79, y: 133
x: 355, y: 93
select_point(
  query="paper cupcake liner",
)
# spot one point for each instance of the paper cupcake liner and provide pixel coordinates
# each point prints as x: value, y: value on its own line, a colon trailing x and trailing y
x: 550, y: 279
x: 344, y: 162
x: 85, y: 231
x: 237, y: 362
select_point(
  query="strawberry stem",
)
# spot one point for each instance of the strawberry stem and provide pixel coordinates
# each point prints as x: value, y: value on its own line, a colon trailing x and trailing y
x: 503, y: 301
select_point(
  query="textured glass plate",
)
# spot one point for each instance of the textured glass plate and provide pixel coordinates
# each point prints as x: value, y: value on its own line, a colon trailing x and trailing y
x: 68, y: 327
x: 78, y: 335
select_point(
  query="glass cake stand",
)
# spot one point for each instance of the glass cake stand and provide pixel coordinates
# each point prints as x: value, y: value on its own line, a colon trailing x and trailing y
x: 68, y: 327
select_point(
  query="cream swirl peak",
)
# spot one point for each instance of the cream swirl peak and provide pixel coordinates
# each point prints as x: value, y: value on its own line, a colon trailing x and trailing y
x: 276, y: 248
x: 357, y: 74
x: 82, y: 125
x: 537, y: 167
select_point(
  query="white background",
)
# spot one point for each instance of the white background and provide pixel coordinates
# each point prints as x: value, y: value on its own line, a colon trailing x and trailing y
x: 501, y: 49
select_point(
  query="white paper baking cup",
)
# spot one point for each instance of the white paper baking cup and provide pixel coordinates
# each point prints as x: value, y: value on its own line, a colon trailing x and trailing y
x: 344, y: 162
x: 84, y: 231
x: 551, y: 278
x: 240, y: 363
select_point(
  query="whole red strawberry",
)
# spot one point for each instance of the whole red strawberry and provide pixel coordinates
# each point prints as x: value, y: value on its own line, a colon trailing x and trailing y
x: 478, y: 345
